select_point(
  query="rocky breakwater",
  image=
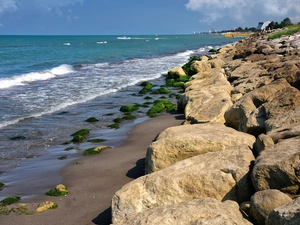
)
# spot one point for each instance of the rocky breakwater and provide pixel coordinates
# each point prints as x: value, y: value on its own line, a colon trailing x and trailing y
x: 236, y: 158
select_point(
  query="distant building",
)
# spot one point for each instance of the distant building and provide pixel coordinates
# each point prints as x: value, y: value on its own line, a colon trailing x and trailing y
x: 263, y: 25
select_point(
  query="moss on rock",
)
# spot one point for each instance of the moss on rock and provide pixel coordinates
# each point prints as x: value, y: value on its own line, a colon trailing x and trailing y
x: 10, y: 200
x: 81, y: 132
x: 114, y: 126
x: 128, y: 108
x: 58, y: 190
x: 97, y: 140
x: 45, y: 206
x: 95, y: 150
x: 159, y: 106
x: 92, y: 120
x: 146, y: 87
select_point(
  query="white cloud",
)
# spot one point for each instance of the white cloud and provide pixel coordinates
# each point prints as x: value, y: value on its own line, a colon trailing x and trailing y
x: 214, y: 10
x: 7, y: 5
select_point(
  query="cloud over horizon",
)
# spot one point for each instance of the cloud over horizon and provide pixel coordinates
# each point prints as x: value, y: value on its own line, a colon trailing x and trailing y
x: 214, y: 10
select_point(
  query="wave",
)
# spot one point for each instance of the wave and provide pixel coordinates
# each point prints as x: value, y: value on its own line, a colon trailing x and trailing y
x: 35, y: 76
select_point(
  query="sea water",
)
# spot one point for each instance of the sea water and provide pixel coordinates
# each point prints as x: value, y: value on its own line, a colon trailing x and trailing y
x: 49, y: 86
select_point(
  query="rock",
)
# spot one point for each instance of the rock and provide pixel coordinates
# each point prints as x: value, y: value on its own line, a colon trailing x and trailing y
x: 288, y: 214
x: 45, y: 206
x: 263, y: 202
x: 200, y: 66
x: 282, y: 102
x: 262, y: 142
x: 279, y: 167
x: 204, y: 211
x: 177, y: 71
x: 216, y: 63
x: 285, y: 132
x: 185, y: 141
x: 247, y: 114
x: 207, y: 106
x: 222, y: 175
x: 284, y: 119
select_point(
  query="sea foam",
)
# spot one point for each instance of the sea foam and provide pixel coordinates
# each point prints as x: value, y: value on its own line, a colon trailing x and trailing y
x: 35, y: 76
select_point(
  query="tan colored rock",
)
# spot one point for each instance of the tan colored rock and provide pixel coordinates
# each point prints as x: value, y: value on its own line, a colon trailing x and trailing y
x: 207, y: 106
x: 177, y: 71
x: 288, y: 214
x: 185, y: 141
x: 45, y: 206
x: 200, y: 66
x: 282, y: 102
x: 216, y: 63
x: 263, y: 202
x: 283, y: 120
x: 285, y: 132
x: 279, y: 167
x: 262, y: 142
x: 247, y: 114
x: 204, y: 211
x: 223, y: 175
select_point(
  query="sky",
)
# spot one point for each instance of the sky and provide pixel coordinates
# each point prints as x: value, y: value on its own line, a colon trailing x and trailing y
x: 125, y: 17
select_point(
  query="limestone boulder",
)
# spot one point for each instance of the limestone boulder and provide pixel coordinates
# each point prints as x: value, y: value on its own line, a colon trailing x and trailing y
x: 248, y: 114
x: 263, y: 141
x: 216, y: 63
x: 285, y: 132
x: 283, y: 120
x: 263, y: 202
x: 200, y: 66
x: 204, y: 211
x: 288, y: 214
x: 279, y: 167
x: 177, y: 71
x: 222, y: 175
x: 185, y: 141
x: 207, y: 106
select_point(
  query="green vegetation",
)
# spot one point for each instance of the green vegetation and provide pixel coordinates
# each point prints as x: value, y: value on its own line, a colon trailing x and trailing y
x: 78, y: 139
x: 59, y: 190
x: 97, y: 140
x: 161, y: 91
x: 118, y: 120
x: 114, y: 126
x: 69, y: 148
x: 287, y: 31
x: 129, y: 117
x: 80, y: 135
x: 148, y: 98
x: 62, y: 157
x: 81, y: 132
x: 1, y: 185
x: 159, y: 106
x: 187, y: 67
x: 95, y: 150
x: 128, y: 108
x: 92, y: 120
x: 10, y: 200
x: 146, y: 87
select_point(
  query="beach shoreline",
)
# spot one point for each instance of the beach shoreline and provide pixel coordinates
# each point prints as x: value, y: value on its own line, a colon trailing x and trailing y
x: 93, y: 180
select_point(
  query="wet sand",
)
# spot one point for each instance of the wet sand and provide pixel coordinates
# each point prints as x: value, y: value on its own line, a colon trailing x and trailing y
x: 92, y: 180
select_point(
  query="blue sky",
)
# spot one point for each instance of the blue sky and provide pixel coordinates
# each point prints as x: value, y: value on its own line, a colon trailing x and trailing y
x: 123, y: 17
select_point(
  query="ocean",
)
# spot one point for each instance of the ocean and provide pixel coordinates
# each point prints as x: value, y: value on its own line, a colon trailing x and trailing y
x: 49, y: 86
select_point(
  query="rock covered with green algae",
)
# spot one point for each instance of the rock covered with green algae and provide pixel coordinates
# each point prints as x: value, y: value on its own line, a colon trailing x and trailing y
x: 58, y: 190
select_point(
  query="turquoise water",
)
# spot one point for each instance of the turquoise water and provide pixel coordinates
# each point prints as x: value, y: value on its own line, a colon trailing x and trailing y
x: 49, y: 85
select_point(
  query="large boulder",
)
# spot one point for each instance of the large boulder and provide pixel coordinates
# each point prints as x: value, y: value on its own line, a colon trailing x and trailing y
x: 204, y: 211
x: 288, y: 214
x: 185, y: 141
x: 263, y: 202
x: 248, y: 114
x: 200, y: 66
x: 279, y: 167
x: 285, y: 132
x: 284, y: 119
x: 222, y: 175
x: 177, y: 72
